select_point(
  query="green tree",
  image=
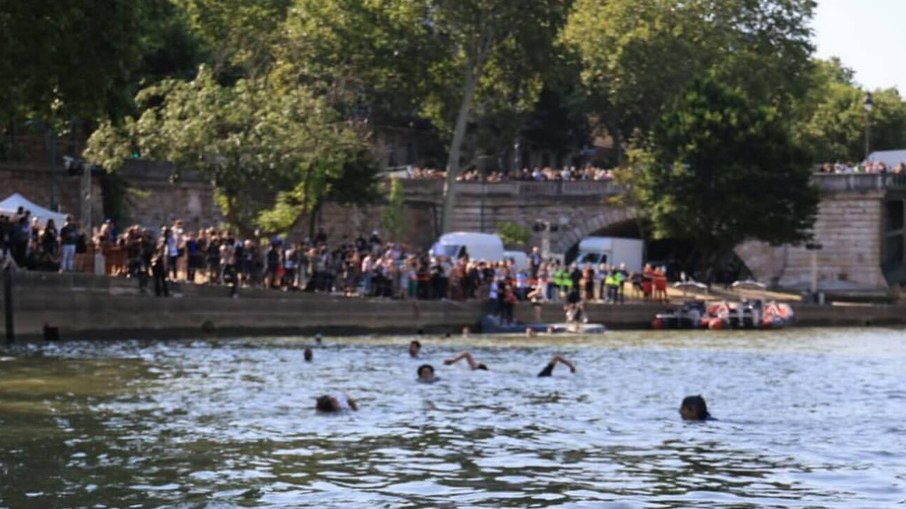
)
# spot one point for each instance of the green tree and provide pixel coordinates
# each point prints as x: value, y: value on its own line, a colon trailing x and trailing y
x: 725, y: 170
x: 368, y: 58
x: 638, y: 57
x: 240, y: 37
x: 835, y: 118
x: 514, y: 235
x: 495, y: 50
x: 272, y: 151
x: 442, y: 60
x: 86, y: 55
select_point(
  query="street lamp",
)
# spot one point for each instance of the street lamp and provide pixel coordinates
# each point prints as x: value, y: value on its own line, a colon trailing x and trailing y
x: 868, y: 104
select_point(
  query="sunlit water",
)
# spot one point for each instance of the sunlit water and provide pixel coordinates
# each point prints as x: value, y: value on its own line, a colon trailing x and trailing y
x: 806, y: 418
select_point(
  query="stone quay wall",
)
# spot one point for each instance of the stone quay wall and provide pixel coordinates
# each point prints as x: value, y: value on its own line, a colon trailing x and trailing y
x: 83, y: 306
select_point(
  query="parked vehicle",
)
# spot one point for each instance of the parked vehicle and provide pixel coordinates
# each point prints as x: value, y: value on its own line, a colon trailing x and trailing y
x: 611, y: 250
x: 520, y: 260
x: 477, y: 246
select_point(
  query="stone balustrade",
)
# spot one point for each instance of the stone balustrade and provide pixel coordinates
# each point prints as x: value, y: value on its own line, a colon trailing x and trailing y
x: 825, y: 182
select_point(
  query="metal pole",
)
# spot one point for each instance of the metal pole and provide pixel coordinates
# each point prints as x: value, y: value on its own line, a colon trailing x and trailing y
x: 814, y: 283
x: 867, y: 134
x: 8, y: 302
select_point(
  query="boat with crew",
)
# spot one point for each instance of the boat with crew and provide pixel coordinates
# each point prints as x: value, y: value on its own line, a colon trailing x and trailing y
x: 717, y: 315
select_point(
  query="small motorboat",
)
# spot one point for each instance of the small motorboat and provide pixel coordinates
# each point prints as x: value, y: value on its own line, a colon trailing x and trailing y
x: 494, y: 325
x: 687, y: 316
x: 754, y: 314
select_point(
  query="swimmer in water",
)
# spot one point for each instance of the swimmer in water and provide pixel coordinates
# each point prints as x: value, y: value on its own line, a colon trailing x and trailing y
x: 426, y: 374
x: 335, y: 403
x: 307, y: 354
x: 549, y: 369
x: 694, y: 408
x: 414, y: 347
x: 473, y: 364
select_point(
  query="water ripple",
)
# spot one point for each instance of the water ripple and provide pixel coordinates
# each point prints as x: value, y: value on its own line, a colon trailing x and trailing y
x: 807, y: 418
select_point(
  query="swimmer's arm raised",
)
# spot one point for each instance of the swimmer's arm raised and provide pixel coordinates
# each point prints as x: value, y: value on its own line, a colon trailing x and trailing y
x: 465, y: 355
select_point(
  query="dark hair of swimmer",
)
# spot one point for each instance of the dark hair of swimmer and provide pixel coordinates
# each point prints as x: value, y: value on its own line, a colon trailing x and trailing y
x: 325, y: 404
x: 481, y: 365
x: 694, y: 408
x: 307, y: 354
x: 425, y: 371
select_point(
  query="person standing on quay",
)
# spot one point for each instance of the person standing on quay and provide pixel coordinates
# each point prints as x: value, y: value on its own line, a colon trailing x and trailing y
x: 69, y: 237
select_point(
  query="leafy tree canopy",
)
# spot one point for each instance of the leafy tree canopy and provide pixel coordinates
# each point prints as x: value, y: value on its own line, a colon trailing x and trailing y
x: 638, y: 57
x: 272, y: 151
x: 725, y: 169
x: 85, y: 59
x: 834, y: 121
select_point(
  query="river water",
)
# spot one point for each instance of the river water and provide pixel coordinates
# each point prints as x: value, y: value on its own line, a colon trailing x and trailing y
x: 805, y: 418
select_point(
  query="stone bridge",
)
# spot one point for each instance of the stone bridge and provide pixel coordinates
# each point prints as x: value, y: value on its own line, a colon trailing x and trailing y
x: 574, y: 209
x: 860, y: 226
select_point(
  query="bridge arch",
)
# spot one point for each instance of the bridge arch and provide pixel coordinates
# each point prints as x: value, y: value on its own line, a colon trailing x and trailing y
x: 588, y: 224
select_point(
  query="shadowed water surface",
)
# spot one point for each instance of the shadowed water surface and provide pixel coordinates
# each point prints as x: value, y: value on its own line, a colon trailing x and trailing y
x: 807, y: 418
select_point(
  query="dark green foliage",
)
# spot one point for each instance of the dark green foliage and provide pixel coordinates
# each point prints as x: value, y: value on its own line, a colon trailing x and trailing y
x: 725, y: 170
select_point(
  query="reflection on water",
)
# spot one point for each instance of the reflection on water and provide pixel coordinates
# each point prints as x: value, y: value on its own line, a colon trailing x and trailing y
x: 807, y: 418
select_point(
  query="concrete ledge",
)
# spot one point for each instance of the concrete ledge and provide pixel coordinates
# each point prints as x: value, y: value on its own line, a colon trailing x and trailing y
x: 96, y: 307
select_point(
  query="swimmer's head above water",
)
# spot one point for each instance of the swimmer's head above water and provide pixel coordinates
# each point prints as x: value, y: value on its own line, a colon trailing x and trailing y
x: 694, y: 408
x: 331, y: 404
x: 426, y: 373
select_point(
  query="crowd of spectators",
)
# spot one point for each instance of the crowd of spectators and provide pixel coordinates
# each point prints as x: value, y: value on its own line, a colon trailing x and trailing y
x: 32, y: 244
x: 364, y: 266
x: 546, y: 174
x: 863, y: 167
x: 572, y: 173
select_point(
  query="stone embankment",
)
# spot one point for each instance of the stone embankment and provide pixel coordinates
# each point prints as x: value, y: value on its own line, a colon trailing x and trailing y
x: 83, y: 306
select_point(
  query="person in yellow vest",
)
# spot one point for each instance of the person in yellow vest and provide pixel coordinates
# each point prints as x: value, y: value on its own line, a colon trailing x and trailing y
x: 611, y: 282
x: 563, y: 282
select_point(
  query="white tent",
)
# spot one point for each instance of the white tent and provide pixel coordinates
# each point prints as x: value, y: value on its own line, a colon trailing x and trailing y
x: 11, y: 204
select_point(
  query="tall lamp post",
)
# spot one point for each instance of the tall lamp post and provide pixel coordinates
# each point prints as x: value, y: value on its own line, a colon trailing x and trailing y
x: 868, y: 104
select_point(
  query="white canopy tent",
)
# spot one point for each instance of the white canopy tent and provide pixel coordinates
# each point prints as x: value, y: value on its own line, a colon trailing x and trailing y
x: 11, y: 204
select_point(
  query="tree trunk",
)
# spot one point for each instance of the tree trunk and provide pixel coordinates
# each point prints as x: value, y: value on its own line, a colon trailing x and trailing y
x: 462, y: 119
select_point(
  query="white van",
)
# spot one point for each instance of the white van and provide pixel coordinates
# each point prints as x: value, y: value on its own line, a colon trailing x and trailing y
x: 520, y: 259
x: 611, y: 250
x: 478, y: 246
